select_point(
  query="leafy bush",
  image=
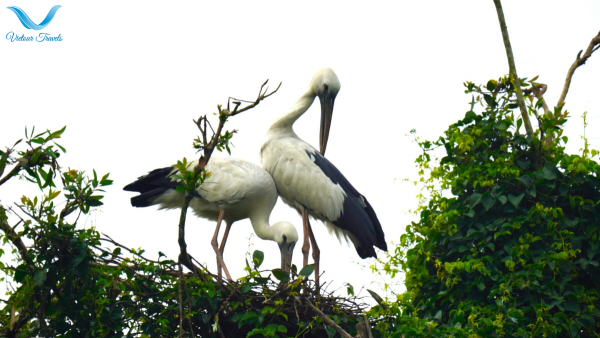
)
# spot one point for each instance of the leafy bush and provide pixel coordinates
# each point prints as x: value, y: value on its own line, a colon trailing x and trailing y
x: 507, y: 243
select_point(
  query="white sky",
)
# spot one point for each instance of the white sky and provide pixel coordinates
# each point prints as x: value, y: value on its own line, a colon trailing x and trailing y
x: 129, y: 77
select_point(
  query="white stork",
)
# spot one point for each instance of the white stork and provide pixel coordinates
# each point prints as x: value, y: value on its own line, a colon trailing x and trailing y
x: 235, y: 190
x: 311, y: 184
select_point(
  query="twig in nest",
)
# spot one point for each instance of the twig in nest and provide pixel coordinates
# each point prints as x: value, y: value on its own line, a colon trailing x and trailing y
x: 328, y: 320
x: 593, y: 46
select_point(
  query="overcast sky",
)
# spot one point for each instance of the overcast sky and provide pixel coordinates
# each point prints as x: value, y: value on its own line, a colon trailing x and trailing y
x: 128, y: 77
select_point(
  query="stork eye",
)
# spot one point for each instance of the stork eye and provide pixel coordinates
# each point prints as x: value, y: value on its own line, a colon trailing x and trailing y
x: 284, y: 239
x: 326, y: 87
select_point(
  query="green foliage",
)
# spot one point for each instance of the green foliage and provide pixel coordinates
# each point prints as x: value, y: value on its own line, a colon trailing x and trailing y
x: 189, y: 176
x: 72, y: 282
x: 507, y: 243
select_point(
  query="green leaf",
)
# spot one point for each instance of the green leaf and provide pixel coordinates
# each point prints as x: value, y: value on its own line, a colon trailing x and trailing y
x: 20, y: 271
x: 180, y: 189
x: 502, y: 233
x: 378, y: 299
x: 475, y: 199
x: 573, y: 307
x: 350, y: 289
x: 586, y: 321
x: 283, y: 276
x: 502, y: 199
x: 550, y: 171
x: 515, y: 200
x: 470, y: 213
x: 39, y: 278
x: 61, y: 147
x: 488, y: 202
x: 526, y: 180
x: 245, y: 288
x: 307, y: 270
x: 95, y: 180
x: 257, y: 258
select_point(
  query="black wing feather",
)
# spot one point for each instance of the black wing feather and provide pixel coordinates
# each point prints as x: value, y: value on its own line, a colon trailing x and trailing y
x: 358, y: 217
x: 152, y: 185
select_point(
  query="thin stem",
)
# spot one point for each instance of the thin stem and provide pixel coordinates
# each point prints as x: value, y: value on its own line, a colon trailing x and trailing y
x: 180, y: 302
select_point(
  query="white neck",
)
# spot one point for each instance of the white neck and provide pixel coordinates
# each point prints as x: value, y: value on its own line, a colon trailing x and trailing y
x: 262, y: 228
x: 283, y: 125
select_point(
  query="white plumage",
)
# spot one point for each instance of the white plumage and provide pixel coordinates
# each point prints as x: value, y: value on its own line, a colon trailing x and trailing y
x: 236, y: 189
x: 301, y: 183
x: 311, y: 184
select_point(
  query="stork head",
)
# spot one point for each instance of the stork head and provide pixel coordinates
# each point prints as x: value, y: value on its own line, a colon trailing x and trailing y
x: 326, y: 85
x: 286, y: 237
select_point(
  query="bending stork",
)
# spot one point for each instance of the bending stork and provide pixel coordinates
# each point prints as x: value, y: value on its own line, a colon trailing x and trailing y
x: 311, y: 184
x: 234, y: 191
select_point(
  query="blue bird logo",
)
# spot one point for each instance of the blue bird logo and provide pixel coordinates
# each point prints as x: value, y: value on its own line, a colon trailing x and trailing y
x: 26, y: 21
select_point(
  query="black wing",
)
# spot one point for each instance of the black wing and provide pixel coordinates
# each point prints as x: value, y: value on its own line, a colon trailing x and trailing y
x: 358, y: 217
x: 152, y: 185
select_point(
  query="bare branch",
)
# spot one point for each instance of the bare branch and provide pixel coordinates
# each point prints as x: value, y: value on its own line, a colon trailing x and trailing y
x: 110, y: 240
x: 580, y: 60
x: 513, y: 69
x: 328, y: 320
x: 261, y: 96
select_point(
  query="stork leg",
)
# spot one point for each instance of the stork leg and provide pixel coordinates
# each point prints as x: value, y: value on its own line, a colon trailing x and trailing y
x: 215, y: 245
x: 316, y: 253
x: 306, y: 245
x: 222, y: 248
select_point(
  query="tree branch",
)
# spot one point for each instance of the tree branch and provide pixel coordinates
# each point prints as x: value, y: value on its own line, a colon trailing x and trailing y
x: 208, y: 148
x: 593, y: 46
x: 184, y: 257
x: 261, y: 96
x: 512, y: 68
x: 11, y: 174
x: 15, y: 239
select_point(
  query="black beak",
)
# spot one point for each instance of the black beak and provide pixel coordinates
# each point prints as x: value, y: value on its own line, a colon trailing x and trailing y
x: 327, y: 100
x: 287, y: 249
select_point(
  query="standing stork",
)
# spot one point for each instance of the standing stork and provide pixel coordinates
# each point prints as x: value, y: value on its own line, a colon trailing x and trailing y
x: 311, y: 184
x: 234, y: 191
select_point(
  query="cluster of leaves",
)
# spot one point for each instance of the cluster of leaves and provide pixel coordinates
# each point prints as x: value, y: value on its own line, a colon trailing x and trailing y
x: 507, y: 243
x: 70, y: 281
x: 223, y: 140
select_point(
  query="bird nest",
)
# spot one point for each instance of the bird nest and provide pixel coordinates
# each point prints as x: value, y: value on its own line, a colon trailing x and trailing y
x: 276, y: 306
